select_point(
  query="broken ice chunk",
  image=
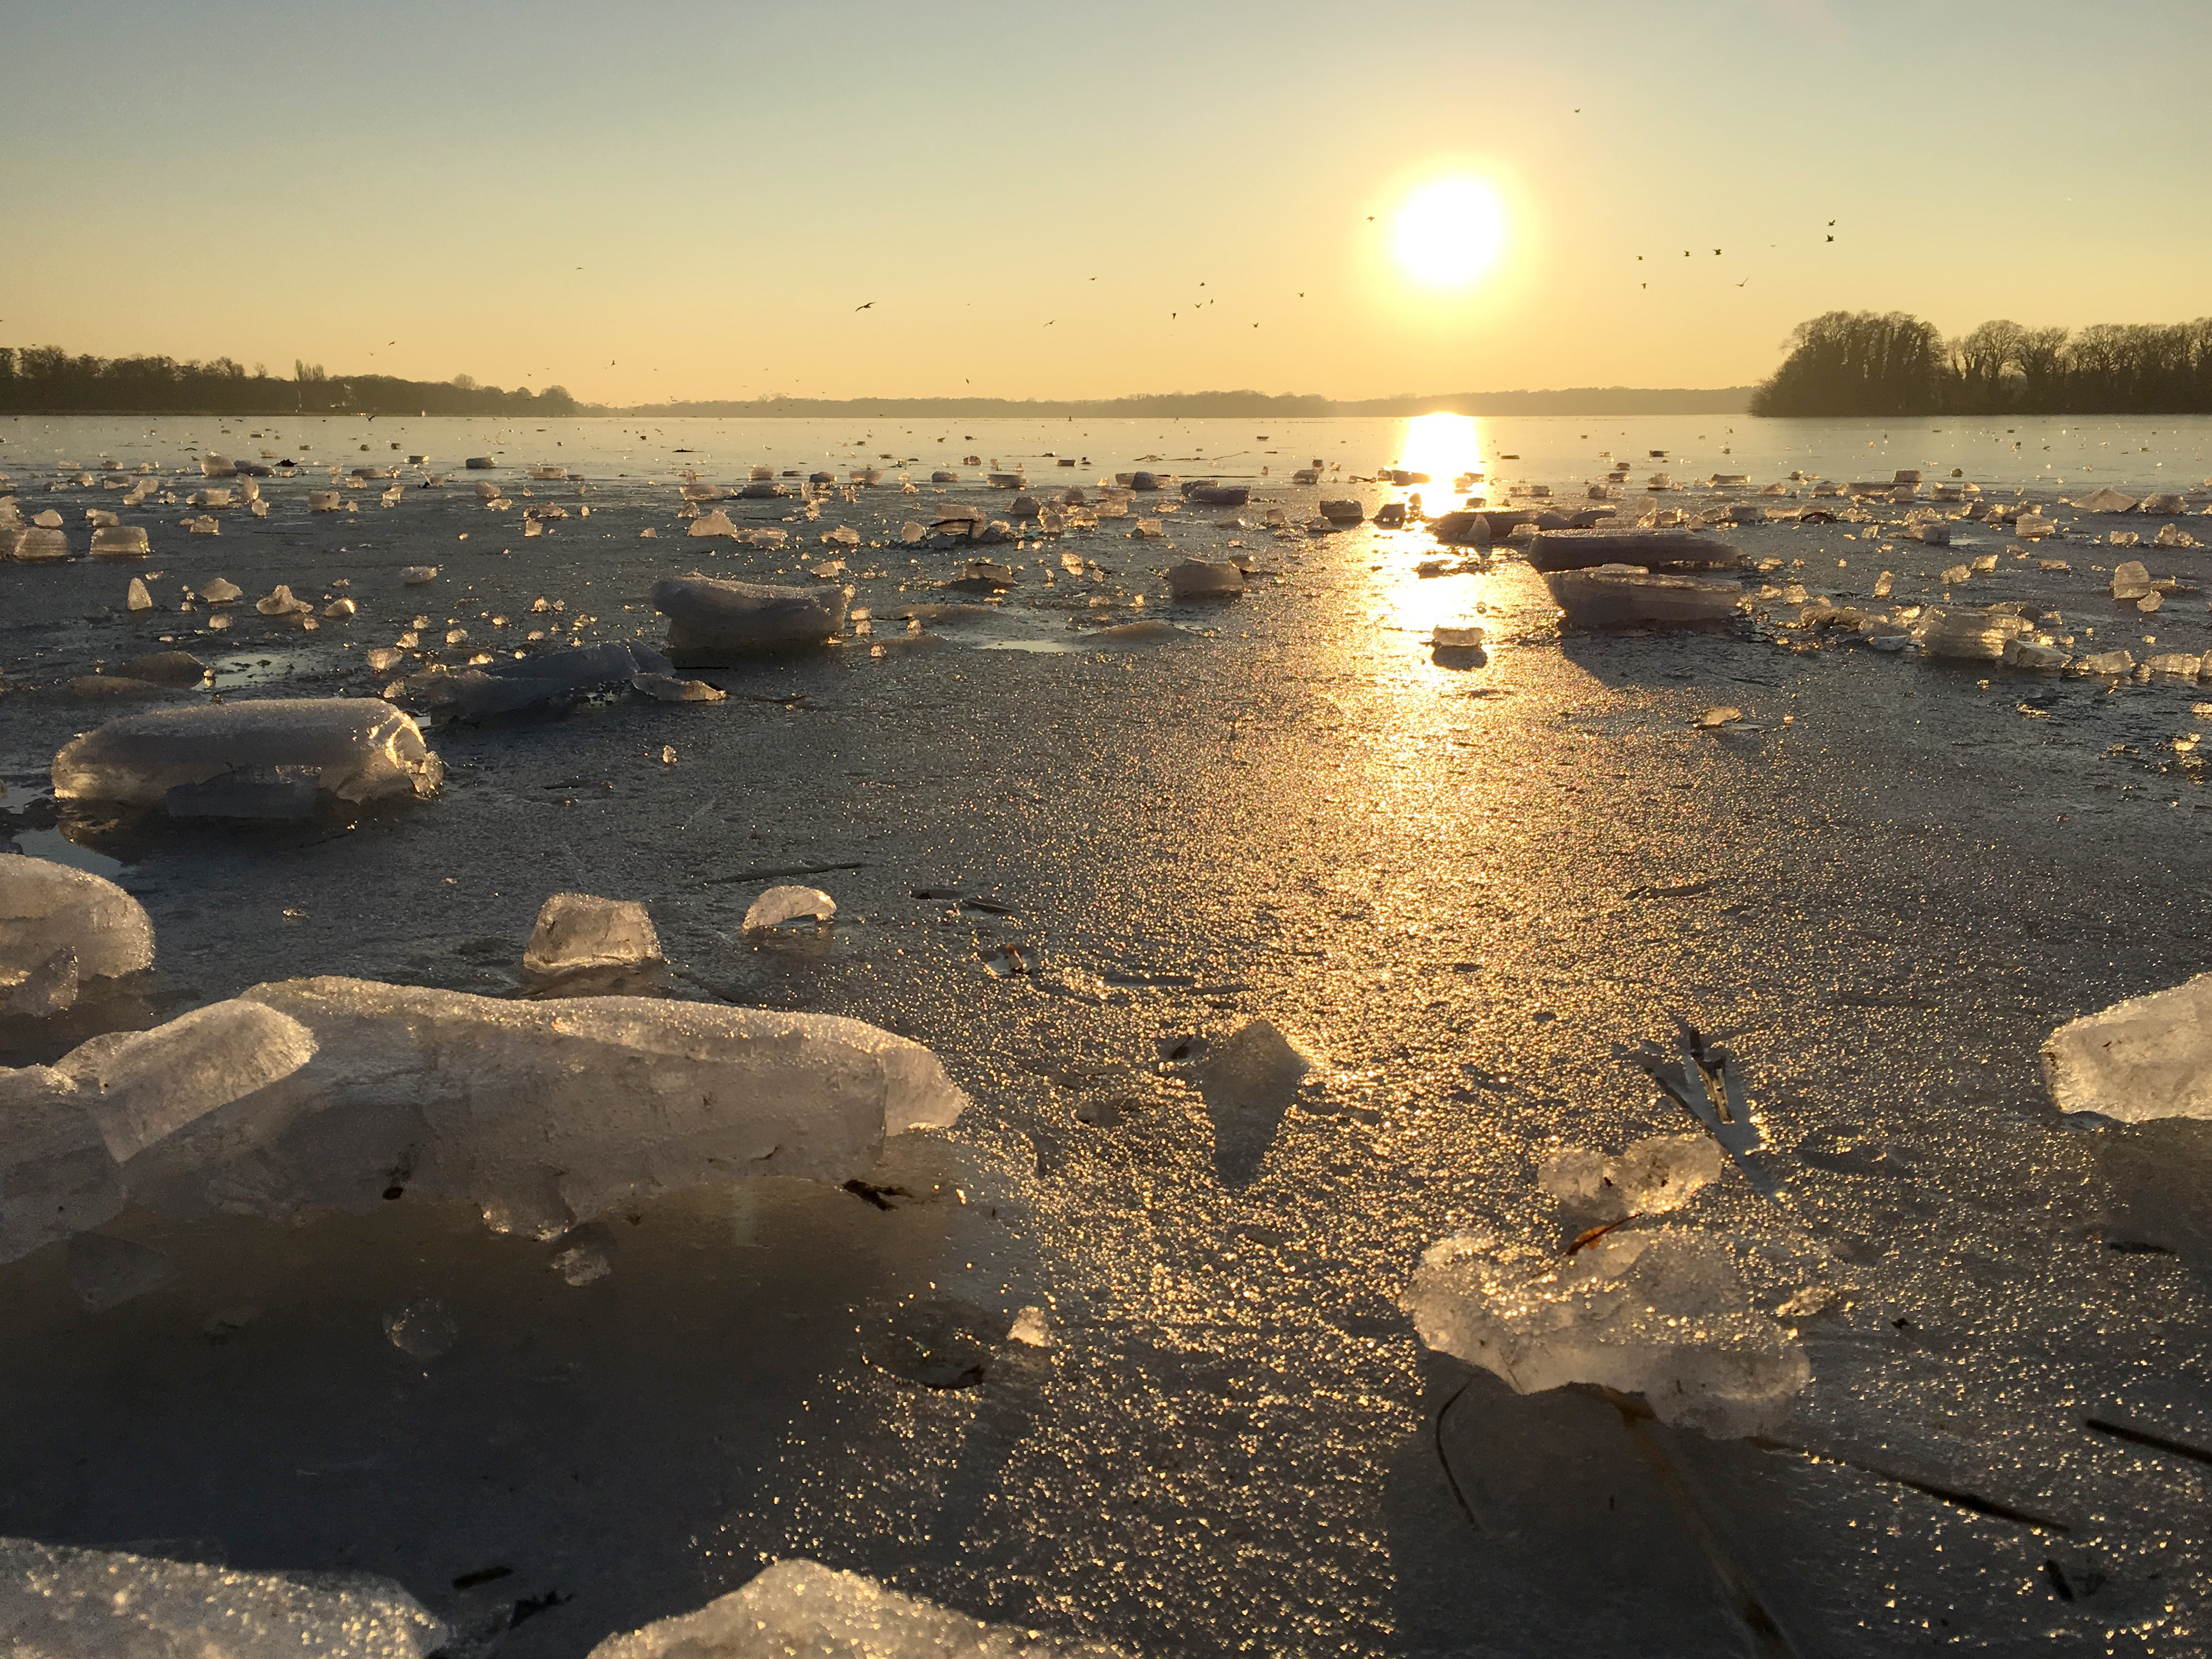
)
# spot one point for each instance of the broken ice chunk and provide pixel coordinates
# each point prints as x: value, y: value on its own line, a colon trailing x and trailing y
x: 280, y: 602
x: 415, y: 575
x: 1643, y: 550
x: 137, y: 598
x: 100, y: 1604
x: 2032, y: 658
x: 781, y: 905
x: 2104, y: 665
x: 1200, y: 579
x: 2148, y: 1057
x: 141, y: 1087
x: 47, y: 907
x: 1977, y: 634
x: 576, y: 931
x: 712, y: 622
x: 48, y: 989
x: 1655, y: 1174
x: 797, y: 1607
x: 2130, y: 581
x: 358, y: 749
x: 1032, y: 1328
x: 557, y: 677
x: 1614, y: 595
x: 667, y: 687
x: 41, y: 546
x: 120, y: 542
x: 2107, y: 499
x: 544, y: 1114
x: 221, y: 591
x: 1664, y: 1314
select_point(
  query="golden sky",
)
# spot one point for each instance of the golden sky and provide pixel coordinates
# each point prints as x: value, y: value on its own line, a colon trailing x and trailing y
x: 689, y: 200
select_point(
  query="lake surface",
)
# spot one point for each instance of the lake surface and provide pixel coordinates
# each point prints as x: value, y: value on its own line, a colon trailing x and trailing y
x: 1468, y: 884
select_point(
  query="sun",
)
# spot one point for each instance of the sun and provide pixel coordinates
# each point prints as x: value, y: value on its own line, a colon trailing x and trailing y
x: 1449, y: 232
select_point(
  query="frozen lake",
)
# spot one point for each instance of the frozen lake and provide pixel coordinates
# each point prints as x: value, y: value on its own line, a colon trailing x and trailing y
x: 1466, y: 884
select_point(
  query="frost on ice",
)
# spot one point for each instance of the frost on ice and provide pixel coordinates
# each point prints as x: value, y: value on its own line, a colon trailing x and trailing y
x: 799, y: 1606
x: 357, y: 750
x: 103, y: 1604
x: 576, y: 931
x: 2148, y: 1057
x: 1663, y: 1314
x: 48, y: 909
x: 342, y: 1092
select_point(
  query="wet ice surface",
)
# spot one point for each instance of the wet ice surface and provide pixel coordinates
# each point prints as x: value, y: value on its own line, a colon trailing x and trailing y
x: 1464, y: 884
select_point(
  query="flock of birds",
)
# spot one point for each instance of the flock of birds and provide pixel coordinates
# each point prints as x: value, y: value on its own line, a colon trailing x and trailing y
x: 1212, y: 300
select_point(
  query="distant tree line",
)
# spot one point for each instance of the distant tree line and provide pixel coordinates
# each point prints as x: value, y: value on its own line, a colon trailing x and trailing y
x: 48, y: 380
x: 1865, y: 363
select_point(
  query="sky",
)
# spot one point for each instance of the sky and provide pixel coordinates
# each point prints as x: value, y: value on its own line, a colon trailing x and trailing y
x: 853, y: 198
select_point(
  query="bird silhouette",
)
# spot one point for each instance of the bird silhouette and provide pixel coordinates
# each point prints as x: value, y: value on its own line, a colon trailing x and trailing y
x: 1745, y: 280
x: 1832, y: 239
x: 869, y: 307
x: 1716, y: 253
x: 1832, y: 222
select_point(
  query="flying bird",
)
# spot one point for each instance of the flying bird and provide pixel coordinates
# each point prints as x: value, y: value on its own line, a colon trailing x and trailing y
x: 869, y: 307
x: 1716, y: 253
x: 1832, y: 239
x: 1745, y: 280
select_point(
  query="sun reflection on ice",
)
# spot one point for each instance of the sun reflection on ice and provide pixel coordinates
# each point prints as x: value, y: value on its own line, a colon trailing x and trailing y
x: 1448, y: 448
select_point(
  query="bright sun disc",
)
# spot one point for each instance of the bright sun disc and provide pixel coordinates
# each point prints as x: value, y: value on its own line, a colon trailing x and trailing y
x: 1449, y: 232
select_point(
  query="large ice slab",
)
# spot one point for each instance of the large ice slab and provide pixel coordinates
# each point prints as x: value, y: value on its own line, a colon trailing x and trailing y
x: 2148, y: 1057
x: 62, y: 1603
x: 801, y: 1607
x: 1664, y: 1313
x: 1615, y: 595
x: 357, y: 750
x: 47, y: 907
x: 712, y: 620
x: 348, y: 1093
x: 545, y: 1113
